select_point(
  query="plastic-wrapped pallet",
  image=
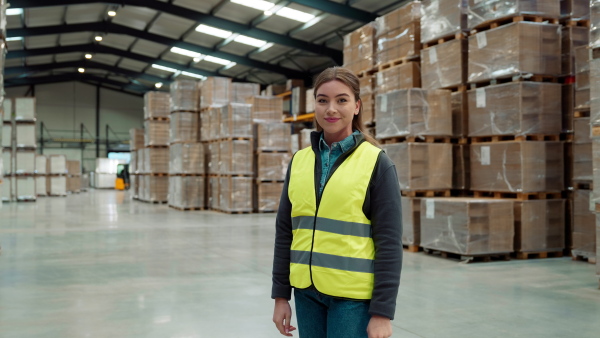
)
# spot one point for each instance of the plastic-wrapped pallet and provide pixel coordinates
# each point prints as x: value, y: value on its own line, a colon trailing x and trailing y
x: 7, y: 135
x: 414, y: 112
x: 484, y: 11
x: 186, y: 192
x: 214, y: 158
x: 575, y: 9
x: 266, y: 108
x: 584, y: 225
x: 235, y: 157
x: 74, y: 168
x: 187, y: 158
x: 41, y: 188
x: 6, y: 189
x: 514, y: 49
x: 411, y: 220
x: 158, y: 188
x: 595, y: 96
x: 467, y: 226
x: 7, y: 105
x: 272, y: 166
x: 540, y: 225
x: 25, y: 188
x: 572, y: 37
x: 25, y: 109
x: 25, y: 136
x: 460, y: 116
x: 156, y: 105
x: 582, y: 77
x: 103, y: 165
x: 236, y: 121
x: 529, y: 166
x: 310, y: 100
x: 213, y: 192
x: 594, y: 23
x: 305, y: 138
x: 136, y: 140
x: 443, y: 18
x: 274, y: 136
x: 398, y: 34
x: 25, y: 162
x: 404, y: 76
x: 183, y: 127
x: 422, y: 166
x: 242, y: 91
x: 103, y: 180
x: 359, y: 49
x: 204, y: 121
x: 133, y: 162
x: 7, y: 162
x: 235, y: 194
x: 157, y: 160
x: 582, y: 150
x: 142, y: 187
x: 298, y: 101
x: 57, y: 185
x: 444, y: 65
x: 461, y: 165
x: 184, y: 96
x: 215, y: 91
x: 156, y: 133
x: 141, y: 161
x: 517, y: 108
x: 268, y: 196
x: 367, y: 98
x: 135, y: 186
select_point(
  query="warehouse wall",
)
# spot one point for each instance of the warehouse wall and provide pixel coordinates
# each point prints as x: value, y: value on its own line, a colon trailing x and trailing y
x: 62, y: 107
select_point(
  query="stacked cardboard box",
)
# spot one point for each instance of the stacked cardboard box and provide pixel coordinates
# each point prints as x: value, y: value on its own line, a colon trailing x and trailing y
x: 482, y: 12
x: 398, y: 35
x: 57, y: 174
x: 367, y: 97
x: 187, y: 179
x: 266, y: 108
x: 242, y: 91
x: 443, y: 19
x: 359, y: 49
x: 41, y: 167
x: 575, y: 9
x: 23, y: 145
x: 73, y: 176
x: 215, y: 91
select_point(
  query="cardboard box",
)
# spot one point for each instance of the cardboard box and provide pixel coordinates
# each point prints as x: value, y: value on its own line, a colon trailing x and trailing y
x: 74, y: 168
x: 595, y: 23
x: 582, y: 77
x: 25, y: 162
x: 141, y: 161
x: 272, y: 166
x: 25, y: 188
x: 409, y: 13
x: 422, y: 166
x: 298, y: 101
x: 215, y: 91
x: 213, y: 192
x: 414, y: 112
x: 157, y: 188
x: 25, y: 136
x: 584, y: 225
x: 272, y: 136
x: 156, y: 160
x: 411, y: 220
x: 575, y: 9
x: 444, y: 65
x: 136, y: 140
x: 213, y: 155
x: 367, y: 96
x: 268, y: 196
x: 25, y: 109
x: 517, y: 108
x: 516, y: 48
x: 484, y: 11
x: 57, y: 164
x: 359, y: 49
x: 310, y: 100
x: 235, y: 194
x: 404, y: 76
x: 184, y: 127
x: 467, y: 226
x: 156, y: 132
x: 57, y: 185
x: 236, y: 157
x: 41, y: 188
x: 236, y: 121
x: 529, y: 166
x: 442, y: 18
x: 594, y: 95
x: 41, y: 164
x: 242, y: 91
x: 402, y: 42
x: 461, y: 158
x: 568, y: 107
x: 156, y: 105
x: 266, y: 108
x: 460, y: 114
x: 540, y: 225
x: 572, y: 37
x: 185, y: 96
x: 187, y: 192
x: 275, y: 89
x: 187, y: 158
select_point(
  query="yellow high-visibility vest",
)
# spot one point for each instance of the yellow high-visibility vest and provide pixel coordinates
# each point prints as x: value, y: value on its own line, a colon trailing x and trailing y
x: 332, y: 245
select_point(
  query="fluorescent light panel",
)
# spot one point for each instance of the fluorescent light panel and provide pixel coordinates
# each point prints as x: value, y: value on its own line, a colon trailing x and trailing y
x: 172, y: 70
x: 217, y: 60
x: 14, y: 11
x: 256, y: 4
x: 295, y: 14
x: 250, y: 41
x: 198, y: 76
x: 213, y: 31
x: 185, y: 52
x: 15, y: 38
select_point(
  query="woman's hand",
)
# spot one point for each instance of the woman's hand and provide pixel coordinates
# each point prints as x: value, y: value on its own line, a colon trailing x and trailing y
x: 282, y: 315
x: 379, y: 327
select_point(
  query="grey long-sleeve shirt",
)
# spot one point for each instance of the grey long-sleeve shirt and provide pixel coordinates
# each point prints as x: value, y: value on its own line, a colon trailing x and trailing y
x: 382, y: 207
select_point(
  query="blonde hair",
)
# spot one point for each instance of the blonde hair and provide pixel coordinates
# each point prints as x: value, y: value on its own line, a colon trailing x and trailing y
x: 348, y: 78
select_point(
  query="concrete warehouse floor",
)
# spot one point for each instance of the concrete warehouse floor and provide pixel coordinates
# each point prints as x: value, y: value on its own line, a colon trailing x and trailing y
x: 97, y: 264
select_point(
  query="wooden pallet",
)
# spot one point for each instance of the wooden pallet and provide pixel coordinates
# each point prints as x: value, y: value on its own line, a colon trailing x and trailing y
x: 505, y: 21
x: 186, y: 209
x: 421, y: 139
x: 595, y: 131
x: 575, y: 23
x: 567, y: 137
x: 513, y: 138
x: 187, y: 175
x: 469, y: 258
x: 158, y: 118
x: 366, y: 73
x: 427, y: 193
x: 56, y: 195
x: 515, y: 78
x: 271, y: 151
x: 540, y: 255
x: 583, y: 185
x: 152, y: 202
x: 266, y: 211
x: 591, y: 260
x: 27, y: 200
x: 397, y: 62
x: 581, y: 112
x: 156, y: 174
x: 234, y: 212
x: 412, y: 248
x: 439, y: 41
x: 183, y: 111
x: 521, y: 196
x: 157, y: 146
x: 261, y: 181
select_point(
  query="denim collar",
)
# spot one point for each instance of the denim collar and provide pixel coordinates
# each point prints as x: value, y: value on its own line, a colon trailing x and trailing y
x: 345, y: 144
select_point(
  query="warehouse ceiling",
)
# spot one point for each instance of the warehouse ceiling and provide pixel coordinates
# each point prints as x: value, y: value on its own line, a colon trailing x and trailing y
x: 133, y: 45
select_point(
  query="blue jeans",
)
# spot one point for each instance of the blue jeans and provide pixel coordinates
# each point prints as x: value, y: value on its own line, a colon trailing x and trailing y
x: 321, y: 316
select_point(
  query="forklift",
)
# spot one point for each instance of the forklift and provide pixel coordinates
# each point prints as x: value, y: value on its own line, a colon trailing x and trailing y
x: 122, y: 182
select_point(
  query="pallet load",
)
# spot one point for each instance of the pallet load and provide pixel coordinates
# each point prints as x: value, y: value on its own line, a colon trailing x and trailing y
x: 582, y: 80
x: 56, y: 182
x: 398, y: 36
x: 136, y: 144
x: 486, y: 13
x: 73, y: 177
x: 359, y: 49
x: 41, y: 167
x: 241, y: 91
x: 575, y: 9
x: 411, y: 222
x: 595, y: 115
x: 24, y: 146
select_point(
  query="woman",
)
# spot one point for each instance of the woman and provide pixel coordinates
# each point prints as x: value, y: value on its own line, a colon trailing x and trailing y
x: 338, y: 228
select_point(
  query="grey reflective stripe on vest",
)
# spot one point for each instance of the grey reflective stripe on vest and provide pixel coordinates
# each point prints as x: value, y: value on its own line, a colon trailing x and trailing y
x: 333, y: 226
x: 333, y: 262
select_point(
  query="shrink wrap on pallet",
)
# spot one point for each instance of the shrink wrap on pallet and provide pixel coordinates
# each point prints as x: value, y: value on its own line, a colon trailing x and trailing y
x: 460, y: 114
x: 242, y: 91
x: 485, y: 11
x: 572, y: 38
x: 268, y: 196
x: 25, y: 136
x: 404, y: 76
x: 74, y: 168
x: 529, y: 166
x: 272, y: 166
x: 411, y: 220
x: 41, y: 164
x: 156, y: 133
x: 25, y: 109
x: 133, y: 162
x: 584, y: 225
x: 443, y: 18
x: 7, y: 162
x: 310, y: 100
x: 422, y: 166
x: 187, y: 158
x: 204, y: 120
x: 135, y: 186
x: 156, y: 105
x: 7, y: 130
x: 183, y: 127
x: 187, y: 192
x: 57, y: 164
x: 57, y: 185
x: 367, y: 97
x: 25, y: 188
x: 582, y: 150
x: 41, y: 188
x: 518, y: 48
x: 582, y: 77
x: 136, y: 139
x: 7, y: 189
x: 213, y: 192
x: 7, y: 106
x: 266, y: 108
x: 214, y: 157
x: 305, y: 137
x: 235, y: 194
x: 236, y: 121
x: 274, y: 136
x: 298, y: 101
x: 540, y: 225
x: 595, y: 97
x: 236, y: 157
x: 25, y: 162
x: 594, y: 23
x: 467, y: 226
x: 185, y: 96
x: 141, y: 161
x: 398, y: 34
x: 517, y: 108
x: 359, y: 49
x: 215, y: 91
x: 414, y: 112
x: 575, y: 9
x: 444, y: 65
x: 156, y: 160
x: 157, y: 187
x: 461, y: 165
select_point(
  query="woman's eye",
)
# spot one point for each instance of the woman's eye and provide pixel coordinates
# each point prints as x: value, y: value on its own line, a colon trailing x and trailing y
x: 322, y: 101
x: 343, y: 100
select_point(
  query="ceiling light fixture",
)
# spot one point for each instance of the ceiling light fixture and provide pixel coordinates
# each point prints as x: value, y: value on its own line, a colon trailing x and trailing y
x: 14, y: 38
x: 172, y: 70
x: 112, y: 13
x: 268, y: 13
x: 98, y: 38
x: 81, y: 70
x: 213, y: 31
x: 198, y: 76
x: 256, y: 4
x: 185, y: 52
x: 217, y: 60
x: 158, y: 84
x: 295, y: 14
x: 250, y: 41
x: 88, y: 56
x: 14, y: 11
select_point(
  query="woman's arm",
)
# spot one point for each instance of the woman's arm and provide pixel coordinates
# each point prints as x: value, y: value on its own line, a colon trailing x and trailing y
x: 283, y: 241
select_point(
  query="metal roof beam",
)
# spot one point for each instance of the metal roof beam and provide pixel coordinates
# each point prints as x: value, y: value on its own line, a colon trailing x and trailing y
x: 199, y: 18
x: 338, y: 9
x: 73, y: 77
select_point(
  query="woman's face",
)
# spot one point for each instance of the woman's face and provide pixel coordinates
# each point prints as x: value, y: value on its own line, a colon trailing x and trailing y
x: 335, y: 108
